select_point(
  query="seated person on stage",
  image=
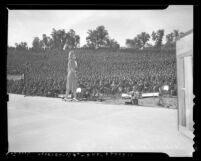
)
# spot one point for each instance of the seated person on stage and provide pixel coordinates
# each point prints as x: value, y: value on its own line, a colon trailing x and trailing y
x: 135, y: 95
x: 106, y: 87
x: 86, y: 94
x: 164, y: 90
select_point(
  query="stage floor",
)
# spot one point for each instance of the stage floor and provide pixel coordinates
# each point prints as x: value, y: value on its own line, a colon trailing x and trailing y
x: 41, y: 124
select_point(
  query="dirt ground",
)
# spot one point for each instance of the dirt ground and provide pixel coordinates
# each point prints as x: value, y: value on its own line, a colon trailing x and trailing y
x: 41, y: 124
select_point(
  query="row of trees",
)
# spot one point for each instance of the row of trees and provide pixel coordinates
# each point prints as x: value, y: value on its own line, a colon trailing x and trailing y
x: 60, y: 39
x: 98, y: 38
x: 21, y: 46
x: 141, y: 40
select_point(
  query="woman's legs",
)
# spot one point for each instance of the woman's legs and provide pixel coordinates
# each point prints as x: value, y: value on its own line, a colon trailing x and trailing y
x: 74, y: 93
x: 67, y: 93
x: 71, y: 85
x: 74, y: 87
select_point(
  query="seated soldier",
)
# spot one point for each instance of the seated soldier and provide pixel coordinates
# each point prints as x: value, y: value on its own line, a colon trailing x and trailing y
x: 70, y: 94
x: 101, y: 86
x: 79, y: 92
x: 114, y: 87
x: 135, y: 96
x: 86, y: 94
x: 96, y: 95
x: 163, y: 92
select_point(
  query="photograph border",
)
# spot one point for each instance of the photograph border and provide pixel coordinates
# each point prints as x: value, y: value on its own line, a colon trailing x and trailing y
x: 4, y: 95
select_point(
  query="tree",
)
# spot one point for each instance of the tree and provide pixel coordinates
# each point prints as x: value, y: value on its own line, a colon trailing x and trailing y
x: 112, y: 44
x: 158, y: 38
x: 55, y: 38
x: 62, y: 40
x: 62, y: 37
x: 92, y: 39
x: 172, y: 37
x: 21, y: 46
x: 45, y: 41
x: 72, y: 40
x: 97, y: 38
x: 133, y: 43
x: 154, y: 36
x: 176, y: 34
x: 59, y: 38
x: 169, y: 39
x: 77, y: 41
x: 139, y: 42
x: 130, y: 43
x: 37, y: 44
x: 143, y: 38
x: 50, y: 43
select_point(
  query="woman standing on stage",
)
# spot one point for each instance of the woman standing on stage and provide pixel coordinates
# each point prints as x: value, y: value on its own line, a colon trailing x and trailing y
x: 71, y: 84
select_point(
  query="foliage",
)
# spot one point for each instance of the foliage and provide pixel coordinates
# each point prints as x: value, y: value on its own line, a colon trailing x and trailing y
x: 112, y: 44
x: 99, y: 38
x: 37, y: 44
x: 21, y: 46
x: 139, y: 42
x: 59, y: 40
x: 157, y: 37
x: 172, y: 37
x: 72, y: 40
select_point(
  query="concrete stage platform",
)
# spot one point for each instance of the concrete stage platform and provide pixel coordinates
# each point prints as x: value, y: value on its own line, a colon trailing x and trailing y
x: 40, y: 124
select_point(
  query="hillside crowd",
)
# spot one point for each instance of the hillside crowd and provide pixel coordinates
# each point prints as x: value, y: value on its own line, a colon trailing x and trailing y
x: 108, y: 73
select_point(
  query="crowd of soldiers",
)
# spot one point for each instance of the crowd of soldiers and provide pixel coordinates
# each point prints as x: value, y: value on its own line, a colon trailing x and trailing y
x: 105, y: 74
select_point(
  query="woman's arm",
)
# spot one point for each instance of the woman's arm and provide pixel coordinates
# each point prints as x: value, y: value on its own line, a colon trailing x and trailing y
x: 76, y: 67
x: 72, y: 65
